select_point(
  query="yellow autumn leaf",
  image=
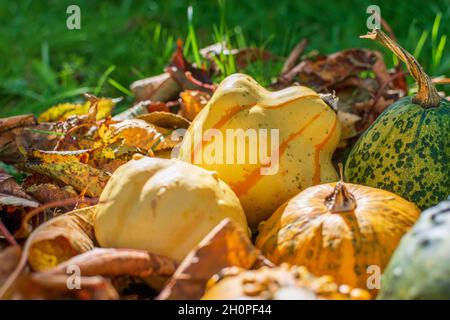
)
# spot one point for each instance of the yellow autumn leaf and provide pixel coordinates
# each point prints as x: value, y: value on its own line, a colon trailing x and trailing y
x: 61, y: 112
x: 65, y: 167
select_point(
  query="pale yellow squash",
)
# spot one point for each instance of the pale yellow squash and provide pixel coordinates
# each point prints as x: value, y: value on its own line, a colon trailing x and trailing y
x: 163, y: 206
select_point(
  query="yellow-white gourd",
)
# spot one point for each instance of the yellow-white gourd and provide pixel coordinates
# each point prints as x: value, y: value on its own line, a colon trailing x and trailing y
x: 163, y: 206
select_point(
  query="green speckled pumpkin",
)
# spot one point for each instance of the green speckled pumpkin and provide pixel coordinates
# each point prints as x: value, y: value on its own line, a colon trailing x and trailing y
x: 407, y: 149
x: 420, y: 266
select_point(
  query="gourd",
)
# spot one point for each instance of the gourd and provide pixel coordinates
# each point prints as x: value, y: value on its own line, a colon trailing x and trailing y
x: 284, y: 282
x: 163, y: 206
x: 308, y: 133
x: 407, y: 149
x: 340, y: 229
x: 420, y: 266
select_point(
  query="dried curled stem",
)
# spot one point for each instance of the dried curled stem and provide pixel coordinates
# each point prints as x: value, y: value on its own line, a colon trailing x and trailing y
x: 427, y: 95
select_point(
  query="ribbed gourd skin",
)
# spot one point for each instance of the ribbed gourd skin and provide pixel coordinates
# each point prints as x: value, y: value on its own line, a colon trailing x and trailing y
x: 406, y: 151
x: 420, y: 266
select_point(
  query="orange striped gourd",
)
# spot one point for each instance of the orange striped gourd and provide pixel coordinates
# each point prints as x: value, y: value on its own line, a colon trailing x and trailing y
x: 243, y: 122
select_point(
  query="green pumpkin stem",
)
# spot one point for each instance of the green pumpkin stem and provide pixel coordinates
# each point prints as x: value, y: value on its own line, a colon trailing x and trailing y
x: 427, y: 95
x: 340, y: 200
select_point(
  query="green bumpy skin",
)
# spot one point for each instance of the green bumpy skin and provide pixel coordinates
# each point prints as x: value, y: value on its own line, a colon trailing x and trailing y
x: 420, y: 266
x: 406, y: 151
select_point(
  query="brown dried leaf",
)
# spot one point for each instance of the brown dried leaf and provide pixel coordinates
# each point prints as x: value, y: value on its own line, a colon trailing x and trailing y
x: 246, y: 56
x: 110, y: 262
x: 12, y: 194
x: 379, y: 69
x: 193, y: 102
x: 146, y: 134
x: 141, y: 108
x: 180, y: 63
x: 61, y: 239
x: 50, y: 192
x: 187, y: 81
x: 372, y: 109
x: 9, y: 258
x: 136, y: 133
x: 226, y: 245
x: 44, y: 286
x: 162, y: 88
x: 10, y: 128
x: 327, y: 71
x: 66, y: 168
x: 10, y: 123
x: 179, y: 75
x: 166, y: 120
x: 54, y: 242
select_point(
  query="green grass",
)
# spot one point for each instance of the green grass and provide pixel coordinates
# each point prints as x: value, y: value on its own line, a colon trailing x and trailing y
x: 43, y: 63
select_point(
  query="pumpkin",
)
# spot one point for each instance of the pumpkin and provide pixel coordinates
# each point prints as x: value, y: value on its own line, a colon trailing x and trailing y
x: 420, y: 266
x: 302, y: 132
x: 284, y: 282
x: 407, y: 149
x: 340, y: 229
x: 163, y: 206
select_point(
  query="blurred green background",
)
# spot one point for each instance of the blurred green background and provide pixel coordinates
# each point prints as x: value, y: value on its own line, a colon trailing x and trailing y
x: 43, y: 63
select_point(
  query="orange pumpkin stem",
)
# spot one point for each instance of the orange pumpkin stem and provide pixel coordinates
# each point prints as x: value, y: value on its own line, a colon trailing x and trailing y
x: 340, y: 200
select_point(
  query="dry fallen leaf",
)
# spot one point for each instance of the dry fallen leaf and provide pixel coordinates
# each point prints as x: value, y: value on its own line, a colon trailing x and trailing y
x: 144, y: 107
x: 66, y: 168
x: 9, y: 258
x: 12, y: 194
x: 10, y: 128
x: 165, y: 120
x: 61, y: 239
x: 111, y: 262
x: 193, y: 102
x: 326, y: 71
x: 200, y: 76
x: 179, y: 75
x: 161, y: 88
x: 14, y: 122
x: 50, y: 192
x: 135, y: 132
x: 226, y: 245
x: 62, y: 112
x: 45, y: 286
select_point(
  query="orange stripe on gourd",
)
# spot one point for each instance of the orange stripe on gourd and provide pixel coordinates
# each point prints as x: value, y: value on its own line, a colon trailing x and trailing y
x: 242, y: 187
x: 235, y: 110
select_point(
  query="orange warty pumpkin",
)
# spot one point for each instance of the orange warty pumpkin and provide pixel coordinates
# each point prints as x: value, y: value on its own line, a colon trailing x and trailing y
x: 347, y: 231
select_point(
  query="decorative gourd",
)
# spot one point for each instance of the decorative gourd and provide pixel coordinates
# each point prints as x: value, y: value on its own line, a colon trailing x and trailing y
x: 284, y: 282
x: 407, y: 149
x: 309, y: 132
x: 163, y: 206
x: 420, y: 266
x: 338, y: 229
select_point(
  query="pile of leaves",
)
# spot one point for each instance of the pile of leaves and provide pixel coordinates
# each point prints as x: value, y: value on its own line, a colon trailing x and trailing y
x: 65, y: 157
